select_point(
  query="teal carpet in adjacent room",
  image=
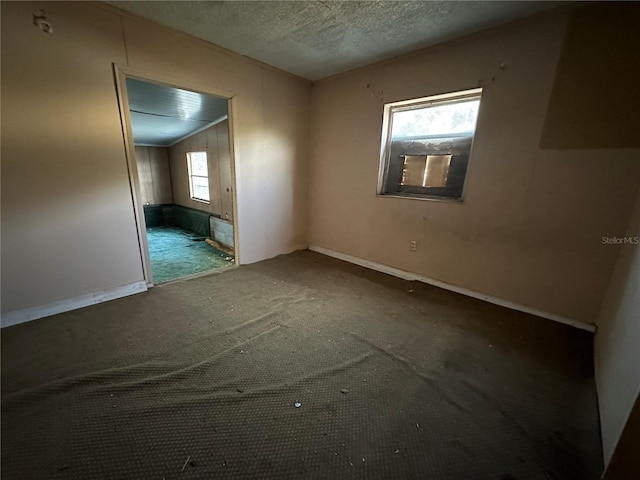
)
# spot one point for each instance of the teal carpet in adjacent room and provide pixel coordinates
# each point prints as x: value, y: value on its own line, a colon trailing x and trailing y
x: 177, y: 253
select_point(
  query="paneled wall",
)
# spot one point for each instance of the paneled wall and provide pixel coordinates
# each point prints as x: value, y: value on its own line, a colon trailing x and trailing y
x: 74, y: 156
x: 531, y: 226
x: 154, y: 175
x: 617, y: 356
x: 215, y: 141
x: 600, y: 106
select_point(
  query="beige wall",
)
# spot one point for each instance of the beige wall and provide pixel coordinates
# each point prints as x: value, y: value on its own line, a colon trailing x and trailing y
x: 601, y: 38
x: 68, y: 224
x: 530, y: 228
x: 617, y: 356
x: 154, y: 176
x: 67, y: 219
x: 269, y: 116
x: 215, y: 141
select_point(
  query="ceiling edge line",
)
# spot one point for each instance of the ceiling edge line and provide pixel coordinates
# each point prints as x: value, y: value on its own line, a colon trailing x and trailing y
x: 453, y: 40
x: 201, y: 129
x: 212, y: 46
x: 160, y: 115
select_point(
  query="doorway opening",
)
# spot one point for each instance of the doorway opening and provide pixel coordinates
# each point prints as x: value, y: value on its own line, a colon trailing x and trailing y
x: 181, y: 167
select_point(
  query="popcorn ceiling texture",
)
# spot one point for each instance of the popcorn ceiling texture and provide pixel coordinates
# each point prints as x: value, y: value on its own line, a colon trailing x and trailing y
x: 316, y: 39
x: 201, y: 378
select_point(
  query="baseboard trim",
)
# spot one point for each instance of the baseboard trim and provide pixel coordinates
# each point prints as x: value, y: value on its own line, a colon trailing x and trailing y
x: 447, y: 286
x: 33, y: 313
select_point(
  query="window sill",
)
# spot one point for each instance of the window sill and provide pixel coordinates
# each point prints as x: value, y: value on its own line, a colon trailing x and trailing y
x: 201, y: 201
x: 423, y: 198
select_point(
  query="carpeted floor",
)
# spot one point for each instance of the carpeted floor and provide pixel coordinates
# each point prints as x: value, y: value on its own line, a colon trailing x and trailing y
x: 298, y: 367
x: 177, y: 253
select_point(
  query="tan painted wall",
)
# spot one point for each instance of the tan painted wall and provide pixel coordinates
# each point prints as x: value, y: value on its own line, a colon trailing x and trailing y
x: 601, y: 38
x: 270, y: 126
x: 617, y: 344
x: 154, y: 175
x: 67, y: 217
x: 215, y: 141
x: 624, y: 462
x: 530, y: 228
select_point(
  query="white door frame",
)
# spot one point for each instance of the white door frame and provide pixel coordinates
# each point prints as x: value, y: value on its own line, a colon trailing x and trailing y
x: 121, y: 73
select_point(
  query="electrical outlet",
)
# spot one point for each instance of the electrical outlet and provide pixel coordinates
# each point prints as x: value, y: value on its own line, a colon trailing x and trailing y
x: 413, y: 246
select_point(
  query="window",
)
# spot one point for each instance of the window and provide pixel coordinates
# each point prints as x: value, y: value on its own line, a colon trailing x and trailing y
x: 426, y: 144
x: 198, y: 176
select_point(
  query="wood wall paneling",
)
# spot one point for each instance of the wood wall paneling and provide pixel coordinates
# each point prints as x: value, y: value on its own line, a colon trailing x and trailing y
x: 160, y: 174
x: 226, y: 182
x: 144, y: 175
x: 154, y: 175
x: 215, y: 141
x: 214, y: 168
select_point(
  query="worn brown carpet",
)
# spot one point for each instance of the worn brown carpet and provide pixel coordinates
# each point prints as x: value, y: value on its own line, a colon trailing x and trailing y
x: 298, y: 367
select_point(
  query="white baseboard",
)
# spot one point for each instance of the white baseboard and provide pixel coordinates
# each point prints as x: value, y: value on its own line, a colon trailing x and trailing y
x: 32, y: 313
x: 464, y: 291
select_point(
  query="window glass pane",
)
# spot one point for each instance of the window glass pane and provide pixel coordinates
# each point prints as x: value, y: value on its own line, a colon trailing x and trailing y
x: 413, y: 171
x: 198, y: 173
x: 198, y: 163
x: 443, y: 119
x: 427, y: 150
x: 435, y: 175
x: 200, y: 188
x: 425, y: 171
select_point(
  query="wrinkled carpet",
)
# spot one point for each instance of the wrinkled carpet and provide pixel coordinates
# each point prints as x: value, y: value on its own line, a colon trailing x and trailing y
x: 298, y: 367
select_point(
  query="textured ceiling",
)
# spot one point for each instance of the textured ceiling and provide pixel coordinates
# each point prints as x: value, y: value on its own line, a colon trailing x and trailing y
x: 162, y: 115
x: 316, y: 39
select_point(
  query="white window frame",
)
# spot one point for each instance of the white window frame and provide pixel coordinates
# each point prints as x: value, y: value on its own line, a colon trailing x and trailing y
x: 191, y: 176
x: 387, y: 127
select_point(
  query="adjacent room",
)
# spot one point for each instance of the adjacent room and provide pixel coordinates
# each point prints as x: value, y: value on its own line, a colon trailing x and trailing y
x: 320, y: 239
x: 184, y: 178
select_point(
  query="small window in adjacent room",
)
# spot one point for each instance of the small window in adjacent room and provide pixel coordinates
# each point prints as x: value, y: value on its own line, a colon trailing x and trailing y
x: 426, y: 144
x: 198, y: 176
